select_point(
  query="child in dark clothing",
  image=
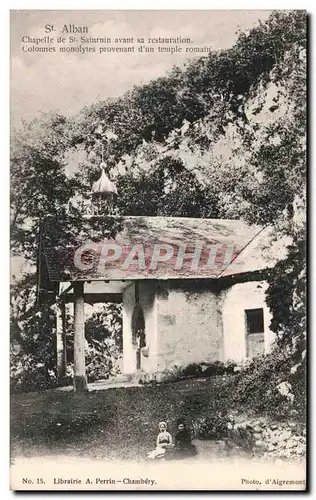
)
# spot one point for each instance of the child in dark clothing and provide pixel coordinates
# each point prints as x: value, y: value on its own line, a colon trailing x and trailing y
x: 183, y: 446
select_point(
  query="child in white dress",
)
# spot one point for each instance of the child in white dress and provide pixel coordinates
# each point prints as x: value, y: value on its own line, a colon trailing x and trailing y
x: 163, y: 442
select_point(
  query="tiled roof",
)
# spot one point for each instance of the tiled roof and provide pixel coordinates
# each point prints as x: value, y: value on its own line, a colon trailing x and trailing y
x: 240, y: 248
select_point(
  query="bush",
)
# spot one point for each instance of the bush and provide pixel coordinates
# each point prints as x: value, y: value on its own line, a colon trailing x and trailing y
x: 197, y: 370
x: 102, y: 359
x: 27, y: 374
x: 33, y: 339
x: 104, y: 344
x: 257, y: 386
x: 211, y: 427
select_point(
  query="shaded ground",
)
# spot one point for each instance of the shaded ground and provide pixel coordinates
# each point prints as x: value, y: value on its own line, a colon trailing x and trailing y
x: 118, y: 423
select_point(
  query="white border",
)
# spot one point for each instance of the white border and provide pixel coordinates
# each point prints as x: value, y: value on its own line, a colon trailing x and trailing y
x: 4, y: 184
x: 159, y: 5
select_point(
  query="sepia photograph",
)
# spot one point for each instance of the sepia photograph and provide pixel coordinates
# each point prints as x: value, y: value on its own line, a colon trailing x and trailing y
x: 158, y: 250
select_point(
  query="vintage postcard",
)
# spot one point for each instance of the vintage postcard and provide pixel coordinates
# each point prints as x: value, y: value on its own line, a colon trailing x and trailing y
x: 158, y: 191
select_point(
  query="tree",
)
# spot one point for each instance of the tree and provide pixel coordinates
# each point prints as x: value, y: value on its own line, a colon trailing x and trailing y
x: 168, y: 189
x: 39, y: 186
x: 33, y: 338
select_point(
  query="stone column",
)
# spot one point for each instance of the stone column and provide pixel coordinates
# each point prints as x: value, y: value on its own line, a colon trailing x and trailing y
x: 61, y: 341
x: 80, y: 379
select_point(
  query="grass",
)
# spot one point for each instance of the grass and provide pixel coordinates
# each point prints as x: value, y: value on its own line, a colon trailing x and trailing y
x: 118, y: 423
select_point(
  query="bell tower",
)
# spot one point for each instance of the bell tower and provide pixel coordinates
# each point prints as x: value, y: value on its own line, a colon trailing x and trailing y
x: 104, y: 192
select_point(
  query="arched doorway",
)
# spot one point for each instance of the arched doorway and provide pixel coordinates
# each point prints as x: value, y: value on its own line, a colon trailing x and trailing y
x: 138, y: 332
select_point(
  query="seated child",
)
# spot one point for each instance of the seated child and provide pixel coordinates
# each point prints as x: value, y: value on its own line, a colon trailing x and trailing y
x: 183, y: 446
x: 163, y: 442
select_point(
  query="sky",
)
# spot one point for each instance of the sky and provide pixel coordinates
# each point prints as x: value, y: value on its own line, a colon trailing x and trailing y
x: 42, y: 82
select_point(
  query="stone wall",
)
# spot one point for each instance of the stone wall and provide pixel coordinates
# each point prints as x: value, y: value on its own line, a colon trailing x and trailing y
x: 190, y: 322
x: 189, y: 325
x: 236, y: 299
x: 284, y: 440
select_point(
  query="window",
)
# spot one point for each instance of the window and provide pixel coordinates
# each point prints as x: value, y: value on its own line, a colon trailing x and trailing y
x: 254, y: 332
x: 254, y: 320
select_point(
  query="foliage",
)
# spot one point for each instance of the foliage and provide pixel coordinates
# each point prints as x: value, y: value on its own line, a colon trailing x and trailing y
x: 195, y: 370
x: 104, y: 342
x: 287, y: 296
x: 33, y: 340
x: 256, y: 387
x: 27, y: 374
x: 39, y: 186
x: 33, y: 327
x: 168, y: 189
x: 209, y: 369
x: 212, y: 426
x: 252, y: 387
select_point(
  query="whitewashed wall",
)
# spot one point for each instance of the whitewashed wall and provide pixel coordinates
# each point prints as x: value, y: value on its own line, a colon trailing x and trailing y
x: 250, y: 295
x: 185, y: 326
x: 189, y: 328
